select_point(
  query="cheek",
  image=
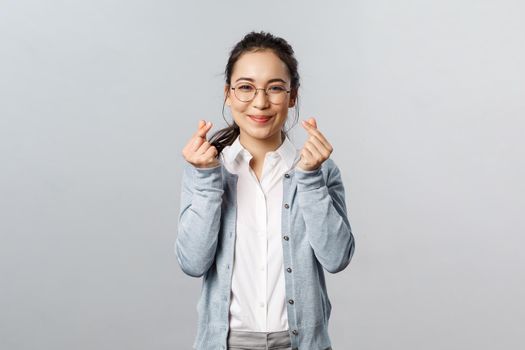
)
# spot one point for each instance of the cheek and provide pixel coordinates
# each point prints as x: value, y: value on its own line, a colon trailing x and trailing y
x: 237, y: 107
x: 237, y: 113
x: 283, y: 112
x: 236, y: 110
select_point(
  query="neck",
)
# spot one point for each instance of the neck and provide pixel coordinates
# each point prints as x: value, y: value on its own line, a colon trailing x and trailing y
x: 259, y: 147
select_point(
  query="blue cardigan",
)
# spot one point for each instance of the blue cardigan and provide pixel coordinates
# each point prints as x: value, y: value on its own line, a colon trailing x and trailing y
x: 316, y: 234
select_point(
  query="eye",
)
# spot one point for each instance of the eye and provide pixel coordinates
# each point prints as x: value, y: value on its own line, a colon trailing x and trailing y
x: 276, y: 88
x: 245, y: 87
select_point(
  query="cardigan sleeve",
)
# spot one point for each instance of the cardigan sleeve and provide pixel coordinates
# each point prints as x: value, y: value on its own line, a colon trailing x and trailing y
x: 324, y: 212
x: 199, y: 218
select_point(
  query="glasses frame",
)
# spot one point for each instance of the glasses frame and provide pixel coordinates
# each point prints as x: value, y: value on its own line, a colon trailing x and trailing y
x: 256, y: 92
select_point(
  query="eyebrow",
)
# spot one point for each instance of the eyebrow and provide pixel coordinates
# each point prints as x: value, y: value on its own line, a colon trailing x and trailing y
x: 269, y: 81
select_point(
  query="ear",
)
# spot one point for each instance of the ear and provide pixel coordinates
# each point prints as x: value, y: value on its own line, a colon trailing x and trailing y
x: 293, y: 97
x: 227, y: 94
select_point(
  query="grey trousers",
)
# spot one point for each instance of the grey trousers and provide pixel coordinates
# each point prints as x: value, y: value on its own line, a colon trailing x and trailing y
x: 244, y: 340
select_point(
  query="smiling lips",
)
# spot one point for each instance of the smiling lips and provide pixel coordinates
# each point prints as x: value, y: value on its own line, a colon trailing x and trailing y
x: 260, y: 118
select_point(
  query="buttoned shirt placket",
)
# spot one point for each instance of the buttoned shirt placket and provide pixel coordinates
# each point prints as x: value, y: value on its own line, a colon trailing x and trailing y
x: 263, y: 187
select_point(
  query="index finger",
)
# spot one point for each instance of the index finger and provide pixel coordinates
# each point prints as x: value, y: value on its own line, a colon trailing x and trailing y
x: 315, y: 132
x: 203, y: 129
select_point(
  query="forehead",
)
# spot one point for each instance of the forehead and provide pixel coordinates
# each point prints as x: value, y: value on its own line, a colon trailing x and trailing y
x: 260, y: 66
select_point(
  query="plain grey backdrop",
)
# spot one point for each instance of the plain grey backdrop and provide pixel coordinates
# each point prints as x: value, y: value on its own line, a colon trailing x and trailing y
x: 423, y: 102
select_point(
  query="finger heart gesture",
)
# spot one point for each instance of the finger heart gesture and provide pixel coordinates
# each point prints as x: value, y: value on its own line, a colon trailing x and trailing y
x: 198, y: 151
x: 316, y: 148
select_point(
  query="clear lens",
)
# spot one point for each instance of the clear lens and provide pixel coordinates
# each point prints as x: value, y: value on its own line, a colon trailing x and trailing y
x: 246, y: 92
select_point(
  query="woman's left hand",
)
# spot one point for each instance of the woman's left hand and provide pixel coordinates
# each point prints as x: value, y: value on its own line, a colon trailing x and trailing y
x: 316, y: 149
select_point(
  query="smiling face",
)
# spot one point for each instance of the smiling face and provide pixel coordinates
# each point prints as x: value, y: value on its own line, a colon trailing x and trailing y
x: 262, y: 69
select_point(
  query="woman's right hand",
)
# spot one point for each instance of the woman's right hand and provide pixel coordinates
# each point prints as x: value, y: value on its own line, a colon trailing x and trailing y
x: 198, y: 151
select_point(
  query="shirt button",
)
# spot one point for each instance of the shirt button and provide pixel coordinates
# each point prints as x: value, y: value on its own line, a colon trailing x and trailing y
x: 289, y: 269
x: 286, y: 206
x: 262, y: 268
x: 290, y: 301
x: 261, y: 304
x: 286, y: 238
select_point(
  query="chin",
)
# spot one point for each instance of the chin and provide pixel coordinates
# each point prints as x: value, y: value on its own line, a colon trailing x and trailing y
x: 262, y: 134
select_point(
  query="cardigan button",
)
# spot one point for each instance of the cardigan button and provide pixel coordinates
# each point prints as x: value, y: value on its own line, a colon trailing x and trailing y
x: 286, y: 238
x: 290, y: 301
x: 286, y: 206
x: 295, y: 332
x: 289, y: 269
x: 286, y: 175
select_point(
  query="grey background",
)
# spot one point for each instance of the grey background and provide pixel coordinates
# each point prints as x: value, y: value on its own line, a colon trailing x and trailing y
x: 423, y: 102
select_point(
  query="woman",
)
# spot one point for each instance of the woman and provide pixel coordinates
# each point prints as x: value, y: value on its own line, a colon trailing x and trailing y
x: 259, y: 219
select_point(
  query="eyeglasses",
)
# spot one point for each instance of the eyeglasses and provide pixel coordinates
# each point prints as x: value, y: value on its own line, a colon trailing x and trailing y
x: 246, y: 92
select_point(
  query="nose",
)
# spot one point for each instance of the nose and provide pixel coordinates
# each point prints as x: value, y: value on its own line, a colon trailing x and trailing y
x: 261, y: 99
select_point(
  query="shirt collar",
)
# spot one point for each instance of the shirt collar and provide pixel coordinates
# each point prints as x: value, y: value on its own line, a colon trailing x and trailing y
x: 286, y: 151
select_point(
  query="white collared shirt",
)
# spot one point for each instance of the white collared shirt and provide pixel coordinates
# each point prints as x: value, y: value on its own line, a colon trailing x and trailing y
x: 258, y: 299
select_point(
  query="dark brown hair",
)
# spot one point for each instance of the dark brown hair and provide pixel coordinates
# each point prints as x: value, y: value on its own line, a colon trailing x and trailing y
x: 253, y: 42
